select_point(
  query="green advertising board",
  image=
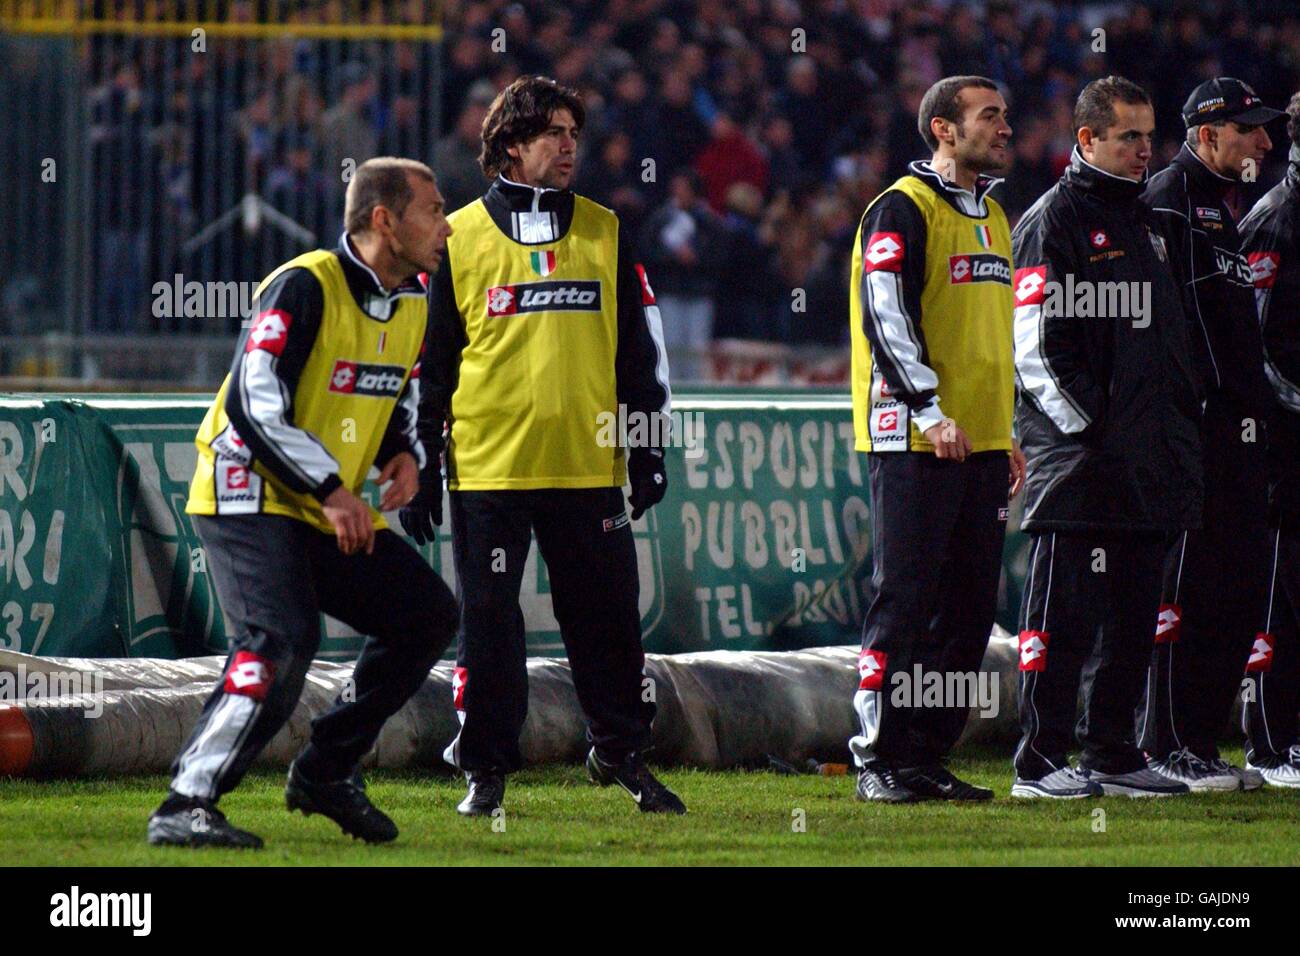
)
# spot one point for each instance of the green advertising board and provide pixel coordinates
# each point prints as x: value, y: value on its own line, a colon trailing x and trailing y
x: 762, y: 542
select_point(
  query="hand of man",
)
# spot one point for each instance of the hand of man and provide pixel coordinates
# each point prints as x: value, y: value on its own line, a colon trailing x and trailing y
x: 350, y: 517
x: 649, y: 479
x: 949, y: 441
x: 1017, y: 468
x: 404, y: 474
x: 424, y: 512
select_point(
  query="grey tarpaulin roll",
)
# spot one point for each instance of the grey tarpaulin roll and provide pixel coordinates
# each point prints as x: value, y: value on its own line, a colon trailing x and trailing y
x: 76, y: 716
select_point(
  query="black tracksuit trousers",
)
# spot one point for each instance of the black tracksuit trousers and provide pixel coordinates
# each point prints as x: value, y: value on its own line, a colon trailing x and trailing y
x: 1086, y: 615
x: 585, y: 538
x: 1272, y: 698
x: 274, y: 576
x: 937, y: 528
x: 1214, y: 597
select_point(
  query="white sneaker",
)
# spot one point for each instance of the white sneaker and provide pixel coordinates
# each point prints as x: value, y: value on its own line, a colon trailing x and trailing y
x: 1199, y: 775
x: 1064, y: 784
x: 1250, y: 779
x: 1285, y: 774
x: 1138, y: 783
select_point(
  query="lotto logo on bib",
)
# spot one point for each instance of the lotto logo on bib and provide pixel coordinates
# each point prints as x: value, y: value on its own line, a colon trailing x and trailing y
x: 355, y: 378
x: 978, y: 267
x: 568, y: 295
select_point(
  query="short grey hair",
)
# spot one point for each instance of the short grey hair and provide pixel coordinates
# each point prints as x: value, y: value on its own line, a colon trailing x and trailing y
x: 1194, y: 132
x: 381, y: 181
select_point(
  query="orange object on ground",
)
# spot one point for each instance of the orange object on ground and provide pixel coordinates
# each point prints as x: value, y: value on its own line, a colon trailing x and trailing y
x: 16, y: 743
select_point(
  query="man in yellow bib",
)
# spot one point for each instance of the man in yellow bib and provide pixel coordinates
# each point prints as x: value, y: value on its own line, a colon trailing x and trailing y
x: 540, y: 325
x: 325, y: 383
x: 930, y: 320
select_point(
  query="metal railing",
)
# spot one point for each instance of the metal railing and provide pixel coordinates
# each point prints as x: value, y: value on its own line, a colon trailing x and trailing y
x: 63, y: 362
x: 152, y: 144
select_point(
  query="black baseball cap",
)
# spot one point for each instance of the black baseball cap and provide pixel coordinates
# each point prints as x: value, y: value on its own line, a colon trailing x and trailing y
x: 1224, y: 98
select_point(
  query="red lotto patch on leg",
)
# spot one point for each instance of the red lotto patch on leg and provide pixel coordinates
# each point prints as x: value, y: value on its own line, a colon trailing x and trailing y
x: 871, y: 669
x: 1261, y: 654
x: 1033, y: 650
x: 1169, y: 623
x: 459, y: 677
x: 249, y: 676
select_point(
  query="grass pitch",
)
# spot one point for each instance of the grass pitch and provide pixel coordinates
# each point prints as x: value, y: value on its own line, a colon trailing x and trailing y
x: 554, y: 816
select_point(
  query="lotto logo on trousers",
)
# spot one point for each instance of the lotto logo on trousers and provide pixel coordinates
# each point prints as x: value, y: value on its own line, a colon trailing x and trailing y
x: 1033, y: 650
x: 249, y: 676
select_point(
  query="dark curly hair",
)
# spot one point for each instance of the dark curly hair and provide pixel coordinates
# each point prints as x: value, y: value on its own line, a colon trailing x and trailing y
x: 521, y: 112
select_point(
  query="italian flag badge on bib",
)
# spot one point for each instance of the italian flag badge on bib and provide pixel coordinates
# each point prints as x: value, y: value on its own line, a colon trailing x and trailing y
x: 543, y: 262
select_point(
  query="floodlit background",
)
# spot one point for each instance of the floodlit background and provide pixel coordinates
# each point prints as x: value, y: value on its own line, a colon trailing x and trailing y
x: 153, y: 143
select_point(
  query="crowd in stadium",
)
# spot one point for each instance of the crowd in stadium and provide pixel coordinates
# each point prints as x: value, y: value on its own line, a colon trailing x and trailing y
x: 771, y: 123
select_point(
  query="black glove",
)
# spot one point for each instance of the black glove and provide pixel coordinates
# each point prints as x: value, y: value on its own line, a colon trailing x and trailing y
x: 424, y: 512
x: 649, y: 479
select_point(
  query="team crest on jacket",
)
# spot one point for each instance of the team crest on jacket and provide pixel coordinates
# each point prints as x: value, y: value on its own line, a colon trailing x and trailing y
x: 884, y: 252
x: 1098, y: 239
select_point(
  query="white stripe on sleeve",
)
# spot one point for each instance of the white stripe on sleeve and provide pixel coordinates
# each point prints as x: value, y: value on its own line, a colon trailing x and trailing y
x: 1036, y: 377
x: 265, y: 403
x: 896, y: 331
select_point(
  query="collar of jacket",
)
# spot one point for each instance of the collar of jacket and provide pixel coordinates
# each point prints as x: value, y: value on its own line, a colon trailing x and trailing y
x: 509, y: 203
x: 364, y: 284
x: 950, y: 191
x: 1202, y: 178
x: 1095, y: 181
x: 1293, y: 166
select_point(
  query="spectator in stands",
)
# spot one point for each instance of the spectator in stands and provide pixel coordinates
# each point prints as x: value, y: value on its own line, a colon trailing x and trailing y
x: 613, y: 177
x: 786, y: 170
x: 456, y: 156
x: 632, y: 111
x: 744, y: 271
x: 836, y: 120
x: 806, y: 106
x: 681, y: 245
x: 731, y: 157
x: 346, y: 130
x: 684, y: 133
x: 296, y: 186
